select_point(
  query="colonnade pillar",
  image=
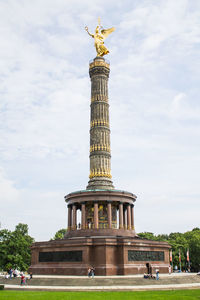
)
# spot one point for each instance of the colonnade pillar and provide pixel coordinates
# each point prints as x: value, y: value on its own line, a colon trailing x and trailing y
x: 129, y: 216
x: 69, y: 216
x: 132, y: 216
x: 124, y: 217
x: 96, y: 215
x: 109, y: 207
x: 83, y: 215
x: 73, y: 216
x: 121, y: 222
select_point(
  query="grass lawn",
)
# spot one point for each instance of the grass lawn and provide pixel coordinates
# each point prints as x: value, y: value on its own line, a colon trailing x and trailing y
x: 29, y: 295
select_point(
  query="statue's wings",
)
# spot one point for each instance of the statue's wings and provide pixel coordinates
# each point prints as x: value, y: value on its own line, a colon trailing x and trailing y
x: 106, y: 32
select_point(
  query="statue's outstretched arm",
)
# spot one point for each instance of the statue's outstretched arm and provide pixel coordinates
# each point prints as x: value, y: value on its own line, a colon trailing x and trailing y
x: 86, y: 28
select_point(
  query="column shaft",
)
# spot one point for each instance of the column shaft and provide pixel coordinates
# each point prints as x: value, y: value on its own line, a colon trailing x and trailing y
x: 109, y: 207
x: 96, y: 216
x: 121, y: 222
x: 124, y: 217
x: 129, y: 216
x: 100, y: 166
x: 83, y: 215
x: 74, y: 216
x: 69, y: 217
x: 132, y: 216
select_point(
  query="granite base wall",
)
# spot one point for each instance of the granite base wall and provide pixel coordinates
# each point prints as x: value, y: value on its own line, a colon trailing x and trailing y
x: 109, y: 256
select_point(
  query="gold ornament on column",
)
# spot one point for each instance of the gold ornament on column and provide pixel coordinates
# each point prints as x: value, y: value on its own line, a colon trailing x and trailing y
x: 99, y: 36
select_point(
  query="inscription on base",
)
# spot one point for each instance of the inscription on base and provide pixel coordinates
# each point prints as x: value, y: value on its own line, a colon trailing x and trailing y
x: 145, y: 255
x: 60, y: 256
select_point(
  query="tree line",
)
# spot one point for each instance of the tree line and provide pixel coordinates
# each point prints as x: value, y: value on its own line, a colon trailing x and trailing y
x: 15, y: 247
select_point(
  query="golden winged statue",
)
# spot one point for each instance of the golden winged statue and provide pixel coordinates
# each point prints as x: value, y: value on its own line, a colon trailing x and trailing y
x: 99, y: 36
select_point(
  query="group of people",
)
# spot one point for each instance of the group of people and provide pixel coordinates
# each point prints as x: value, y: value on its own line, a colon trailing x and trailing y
x: 151, y: 276
x: 15, y: 273
x: 12, y: 273
x: 91, y: 271
x: 24, y: 278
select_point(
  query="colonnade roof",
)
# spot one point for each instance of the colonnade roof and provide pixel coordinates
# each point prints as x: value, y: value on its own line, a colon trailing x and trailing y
x: 100, y: 195
x: 101, y: 190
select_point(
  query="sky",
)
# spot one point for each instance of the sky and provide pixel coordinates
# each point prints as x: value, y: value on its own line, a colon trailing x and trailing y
x: 154, y: 89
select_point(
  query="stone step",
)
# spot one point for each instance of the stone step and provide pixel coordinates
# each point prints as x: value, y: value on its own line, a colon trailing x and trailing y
x: 122, y: 281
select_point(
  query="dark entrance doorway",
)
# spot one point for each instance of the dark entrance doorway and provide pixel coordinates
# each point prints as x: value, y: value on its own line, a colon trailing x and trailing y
x: 148, y: 268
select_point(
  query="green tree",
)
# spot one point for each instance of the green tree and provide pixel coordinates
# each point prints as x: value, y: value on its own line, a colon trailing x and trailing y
x: 147, y: 235
x: 162, y: 237
x: 193, y: 239
x: 60, y: 234
x: 178, y: 243
x: 15, y: 248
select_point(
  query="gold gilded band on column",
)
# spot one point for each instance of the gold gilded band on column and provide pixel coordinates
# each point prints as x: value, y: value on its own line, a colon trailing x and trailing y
x: 100, y: 173
x: 99, y: 147
x: 99, y: 123
x: 99, y: 98
x: 99, y: 63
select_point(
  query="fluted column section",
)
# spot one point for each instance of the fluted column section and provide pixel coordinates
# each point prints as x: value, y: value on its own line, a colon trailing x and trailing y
x: 132, y: 216
x: 73, y: 216
x: 96, y: 216
x: 100, y: 157
x: 121, y: 222
x: 109, y: 207
x: 129, y: 216
x: 125, y: 217
x: 69, y: 217
x: 83, y: 215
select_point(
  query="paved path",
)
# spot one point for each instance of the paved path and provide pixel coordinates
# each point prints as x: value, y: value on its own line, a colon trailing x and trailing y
x: 105, y: 288
x: 116, y: 276
x: 112, y: 277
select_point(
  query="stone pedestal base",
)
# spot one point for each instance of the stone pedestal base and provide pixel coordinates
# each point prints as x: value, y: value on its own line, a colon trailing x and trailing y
x: 100, y: 183
x: 108, y: 255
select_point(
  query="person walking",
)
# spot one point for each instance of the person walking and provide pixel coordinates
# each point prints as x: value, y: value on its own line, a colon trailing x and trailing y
x: 92, y: 272
x: 10, y: 273
x: 150, y: 271
x: 23, y: 279
x: 89, y: 272
x: 170, y: 269
x: 157, y: 274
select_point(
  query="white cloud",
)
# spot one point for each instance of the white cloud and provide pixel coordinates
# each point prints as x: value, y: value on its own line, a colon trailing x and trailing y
x: 182, y: 109
x: 9, y: 193
x: 177, y: 102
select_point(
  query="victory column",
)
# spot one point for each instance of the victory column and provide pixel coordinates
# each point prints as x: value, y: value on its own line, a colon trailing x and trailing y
x: 105, y: 236
x: 100, y: 154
